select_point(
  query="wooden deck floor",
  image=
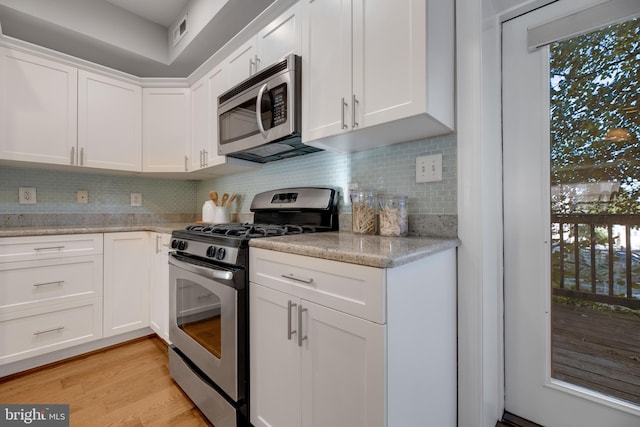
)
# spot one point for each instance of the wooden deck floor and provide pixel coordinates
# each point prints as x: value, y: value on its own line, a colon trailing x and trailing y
x: 596, y: 349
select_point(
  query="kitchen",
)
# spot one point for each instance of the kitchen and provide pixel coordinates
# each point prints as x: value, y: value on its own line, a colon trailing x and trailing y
x: 466, y: 196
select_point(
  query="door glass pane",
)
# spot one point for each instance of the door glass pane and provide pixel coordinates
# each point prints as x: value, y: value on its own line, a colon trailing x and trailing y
x: 595, y: 210
x: 198, y: 315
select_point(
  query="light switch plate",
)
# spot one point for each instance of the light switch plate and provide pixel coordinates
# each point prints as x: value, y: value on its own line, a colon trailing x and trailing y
x: 136, y: 199
x: 429, y: 168
x: 27, y: 195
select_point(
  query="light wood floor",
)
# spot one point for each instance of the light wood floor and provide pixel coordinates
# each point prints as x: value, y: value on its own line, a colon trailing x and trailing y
x: 127, y: 385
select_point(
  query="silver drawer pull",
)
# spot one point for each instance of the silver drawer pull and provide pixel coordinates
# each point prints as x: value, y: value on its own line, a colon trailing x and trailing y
x: 59, y: 328
x: 307, y: 280
x: 50, y: 248
x: 59, y: 282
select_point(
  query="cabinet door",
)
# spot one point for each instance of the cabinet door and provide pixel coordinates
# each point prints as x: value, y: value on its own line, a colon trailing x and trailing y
x: 326, y: 68
x: 388, y: 65
x: 241, y: 63
x: 166, y: 129
x: 159, y: 285
x: 126, y: 282
x: 275, y: 359
x: 280, y: 38
x: 109, y: 123
x: 343, y: 369
x: 38, y: 109
x: 204, y: 102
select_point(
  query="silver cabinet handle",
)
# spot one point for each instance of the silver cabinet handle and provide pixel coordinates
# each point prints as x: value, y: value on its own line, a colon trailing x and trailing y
x: 201, y: 158
x: 59, y: 282
x: 290, y: 306
x: 50, y: 248
x: 307, y: 280
x: 59, y: 328
x: 73, y: 156
x: 82, y: 156
x: 257, y: 62
x: 186, y: 164
x: 354, y: 101
x: 300, y: 337
x: 205, y: 155
x: 251, y: 66
x: 259, y: 110
x: 342, y: 106
x: 158, y: 238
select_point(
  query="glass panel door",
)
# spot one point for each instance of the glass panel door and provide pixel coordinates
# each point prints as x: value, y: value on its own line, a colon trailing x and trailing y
x: 595, y: 206
x: 571, y: 168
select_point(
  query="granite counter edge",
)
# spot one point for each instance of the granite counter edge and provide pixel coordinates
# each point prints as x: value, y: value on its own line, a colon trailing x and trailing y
x: 352, y: 257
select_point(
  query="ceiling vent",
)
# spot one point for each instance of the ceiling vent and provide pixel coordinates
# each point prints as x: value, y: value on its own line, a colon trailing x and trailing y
x: 180, y: 30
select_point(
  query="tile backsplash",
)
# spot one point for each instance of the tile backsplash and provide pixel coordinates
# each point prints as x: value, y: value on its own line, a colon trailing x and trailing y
x: 56, y: 192
x: 389, y: 170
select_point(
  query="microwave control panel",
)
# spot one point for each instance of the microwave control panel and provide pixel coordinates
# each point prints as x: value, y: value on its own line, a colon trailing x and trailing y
x: 279, y: 96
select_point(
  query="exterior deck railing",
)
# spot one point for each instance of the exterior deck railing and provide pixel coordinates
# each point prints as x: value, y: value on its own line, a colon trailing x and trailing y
x: 579, y: 256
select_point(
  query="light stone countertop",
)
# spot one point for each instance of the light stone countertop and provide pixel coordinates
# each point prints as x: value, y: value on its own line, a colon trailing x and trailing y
x: 373, y: 251
x: 55, y: 230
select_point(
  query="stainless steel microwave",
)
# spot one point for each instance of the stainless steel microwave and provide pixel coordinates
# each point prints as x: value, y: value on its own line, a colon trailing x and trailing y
x: 260, y: 119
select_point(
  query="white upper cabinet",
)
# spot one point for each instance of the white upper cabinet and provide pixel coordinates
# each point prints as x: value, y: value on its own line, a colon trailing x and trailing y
x: 204, y: 119
x: 38, y: 109
x: 283, y: 36
x: 241, y: 63
x: 383, y: 74
x: 109, y: 123
x: 166, y: 129
x: 280, y: 38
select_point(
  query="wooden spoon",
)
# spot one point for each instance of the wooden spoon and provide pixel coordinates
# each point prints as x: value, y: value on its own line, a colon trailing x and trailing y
x: 230, y: 201
x: 214, y: 197
x: 225, y: 197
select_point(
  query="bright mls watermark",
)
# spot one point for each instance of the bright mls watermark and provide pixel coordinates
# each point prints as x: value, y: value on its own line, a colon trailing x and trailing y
x: 34, y: 415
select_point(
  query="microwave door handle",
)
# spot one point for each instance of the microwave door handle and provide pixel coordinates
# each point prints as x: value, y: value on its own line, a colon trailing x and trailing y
x: 259, y: 110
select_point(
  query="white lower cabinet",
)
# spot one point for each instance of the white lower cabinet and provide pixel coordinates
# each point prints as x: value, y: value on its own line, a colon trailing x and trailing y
x: 159, y: 285
x: 51, y: 294
x: 126, y: 282
x: 333, y: 375
x: 337, y: 344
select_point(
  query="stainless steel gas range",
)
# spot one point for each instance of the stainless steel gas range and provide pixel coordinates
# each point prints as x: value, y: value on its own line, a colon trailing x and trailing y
x: 209, y: 297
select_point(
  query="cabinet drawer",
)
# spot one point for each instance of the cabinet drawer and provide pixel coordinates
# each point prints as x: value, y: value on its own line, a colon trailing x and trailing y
x: 30, y: 284
x: 30, y: 248
x: 350, y: 288
x: 36, y: 332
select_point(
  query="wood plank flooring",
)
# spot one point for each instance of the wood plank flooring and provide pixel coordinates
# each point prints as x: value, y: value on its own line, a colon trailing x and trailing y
x: 126, y: 385
x: 596, y: 349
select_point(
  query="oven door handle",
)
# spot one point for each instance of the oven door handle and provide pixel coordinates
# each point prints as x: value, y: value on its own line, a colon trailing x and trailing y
x: 202, y: 271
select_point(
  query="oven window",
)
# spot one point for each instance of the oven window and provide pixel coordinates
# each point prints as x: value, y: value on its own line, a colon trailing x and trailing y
x: 198, y: 315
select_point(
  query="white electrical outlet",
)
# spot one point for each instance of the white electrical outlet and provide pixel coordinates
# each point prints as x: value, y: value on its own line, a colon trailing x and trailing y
x: 27, y: 195
x: 82, y: 196
x: 429, y: 168
x: 136, y: 199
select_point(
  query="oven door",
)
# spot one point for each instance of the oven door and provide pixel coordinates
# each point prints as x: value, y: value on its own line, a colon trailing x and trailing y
x: 203, y: 320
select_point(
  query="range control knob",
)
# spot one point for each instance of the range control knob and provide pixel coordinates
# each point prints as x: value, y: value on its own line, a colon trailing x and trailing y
x: 174, y: 244
x: 211, y: 251
x: 220, y: 254
x: 182, y: 245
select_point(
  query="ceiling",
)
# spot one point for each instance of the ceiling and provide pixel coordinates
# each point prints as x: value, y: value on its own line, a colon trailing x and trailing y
x: 132, y: 36
x: 163, y: 12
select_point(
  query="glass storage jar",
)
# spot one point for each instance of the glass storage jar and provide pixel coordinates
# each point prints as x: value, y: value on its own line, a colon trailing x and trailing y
x: 363, y: 206
x: 394, y: 216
